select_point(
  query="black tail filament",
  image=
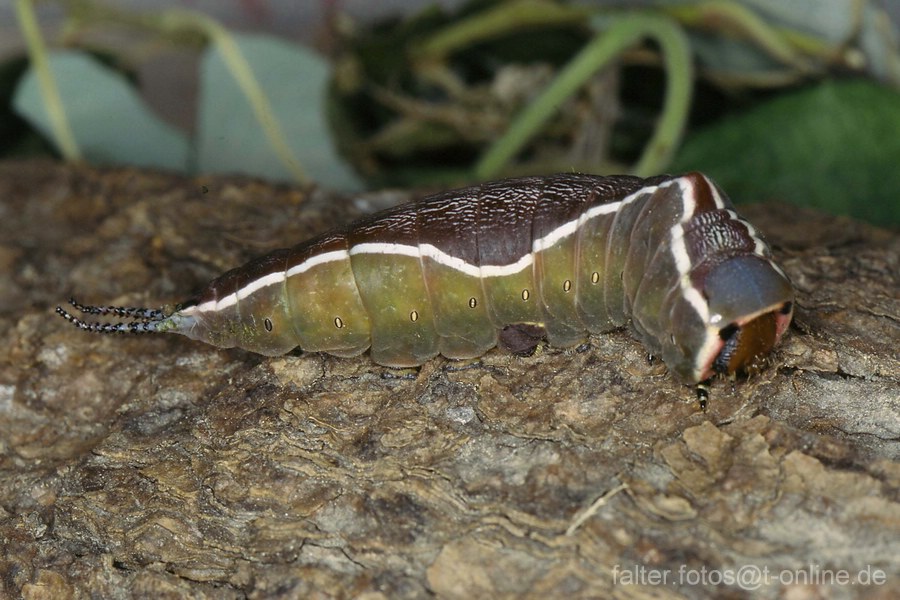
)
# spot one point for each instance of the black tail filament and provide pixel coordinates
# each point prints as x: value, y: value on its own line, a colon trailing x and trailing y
x: 145, y: 319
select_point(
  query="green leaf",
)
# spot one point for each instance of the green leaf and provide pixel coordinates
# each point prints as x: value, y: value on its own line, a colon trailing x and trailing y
x: 231, y: 139
x: 833, y: 146
x: 110, y: 122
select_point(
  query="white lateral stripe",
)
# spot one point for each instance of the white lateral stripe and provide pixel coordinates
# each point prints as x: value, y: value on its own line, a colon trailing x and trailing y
x: 570, y: 227
x: 232, y: 299
x: 265, y: 281
x: 318, y: 259
x: 437, y: 255
x: 442, y: 258
x: 386, y: 248
x: 683, y: 261
x: 434, y: 253
x: 780, y: 271
x: 678, y: 247
x: 717, y: 197
x: 552, y: 238
x: 759, y: 247
x: 501, y: 270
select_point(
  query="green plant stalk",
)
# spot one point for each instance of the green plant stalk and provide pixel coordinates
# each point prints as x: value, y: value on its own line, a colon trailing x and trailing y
x: 243, y: 75
x: 626, y: 31
x: 507, y: 17
x: 37, y: 53
x: 784, y: 45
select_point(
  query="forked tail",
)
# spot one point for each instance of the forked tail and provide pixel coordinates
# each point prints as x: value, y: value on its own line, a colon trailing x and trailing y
x: 142, y: 320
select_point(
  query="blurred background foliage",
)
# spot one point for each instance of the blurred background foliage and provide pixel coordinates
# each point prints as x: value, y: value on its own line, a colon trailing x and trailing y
x: 794, y: 101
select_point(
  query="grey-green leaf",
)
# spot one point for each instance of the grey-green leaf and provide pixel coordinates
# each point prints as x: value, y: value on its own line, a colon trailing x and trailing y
x: 110, y: 123
x: 294, y: 80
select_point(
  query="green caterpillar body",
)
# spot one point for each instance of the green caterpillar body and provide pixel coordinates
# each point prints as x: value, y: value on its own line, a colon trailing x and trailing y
x: 562, y: 256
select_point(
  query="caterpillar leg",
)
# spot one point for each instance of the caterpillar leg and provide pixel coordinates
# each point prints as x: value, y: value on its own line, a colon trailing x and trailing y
x: 521, y: 338
x: 702, y: 391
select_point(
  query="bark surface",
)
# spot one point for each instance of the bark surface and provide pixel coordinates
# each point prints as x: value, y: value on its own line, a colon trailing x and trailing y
x: 154, y: 465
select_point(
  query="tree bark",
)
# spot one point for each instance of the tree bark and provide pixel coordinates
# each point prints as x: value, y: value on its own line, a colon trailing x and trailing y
x: 149, y: 465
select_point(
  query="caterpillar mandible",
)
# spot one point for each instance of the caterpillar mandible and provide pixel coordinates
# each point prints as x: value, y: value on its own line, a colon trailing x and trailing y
x: 509, y: 261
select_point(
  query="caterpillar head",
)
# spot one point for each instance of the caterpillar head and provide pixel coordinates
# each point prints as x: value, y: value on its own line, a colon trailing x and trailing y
x: 750, y: 307
x: 731, y: 316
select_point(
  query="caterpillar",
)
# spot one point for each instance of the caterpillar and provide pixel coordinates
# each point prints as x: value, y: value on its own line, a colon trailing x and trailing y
x: 508, y: 262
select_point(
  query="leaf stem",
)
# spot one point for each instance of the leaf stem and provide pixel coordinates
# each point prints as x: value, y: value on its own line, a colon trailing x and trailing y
x: 503, y: 18
x: 240, y: 69
x: 626, y: 31
x: 37, y: 54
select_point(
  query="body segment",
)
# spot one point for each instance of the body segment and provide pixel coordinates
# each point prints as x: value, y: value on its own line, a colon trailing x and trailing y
x: 568, y: 254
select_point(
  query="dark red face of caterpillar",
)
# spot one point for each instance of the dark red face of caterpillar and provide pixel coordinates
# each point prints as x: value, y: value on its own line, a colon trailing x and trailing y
x: 562, y: 256
x: 744, y: 346
x: 754, y: 298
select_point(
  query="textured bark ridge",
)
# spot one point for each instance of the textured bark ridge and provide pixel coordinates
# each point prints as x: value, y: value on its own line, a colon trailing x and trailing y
x: 138, y: 465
